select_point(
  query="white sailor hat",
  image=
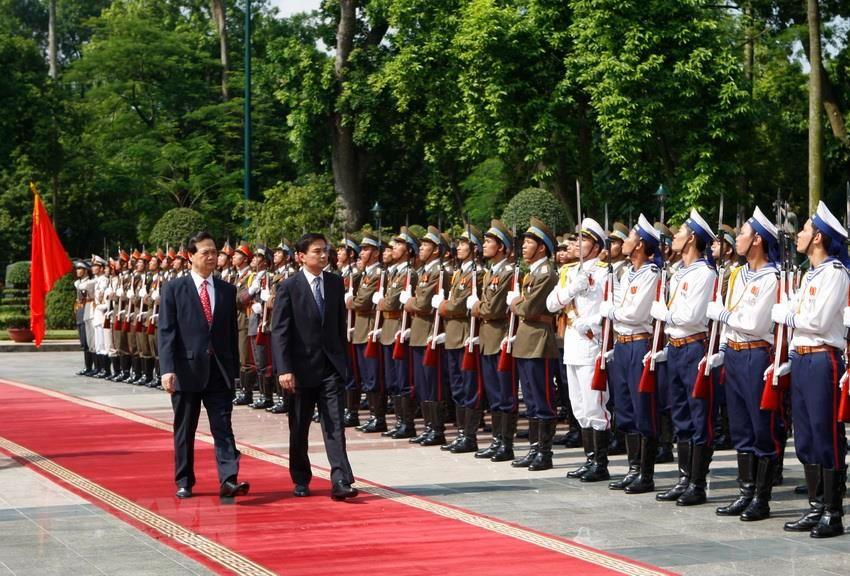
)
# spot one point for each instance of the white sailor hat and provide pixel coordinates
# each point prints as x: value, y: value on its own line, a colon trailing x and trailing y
x: 763, y: 226
x: 591, y: 227
x: 97, y: 260
x: 647, y: 231
x: 828, y: 224
x: 700, y: 227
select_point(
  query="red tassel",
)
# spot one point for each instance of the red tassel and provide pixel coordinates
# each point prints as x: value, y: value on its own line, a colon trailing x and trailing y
x: 106, y: 323
x: 125, y: 326
x: 702, y: 385
x: 505, y: 361
x: 600, y: 376
x: 844, y: 407
x: 431, y: 358
x: 152, y: 329
x: 647, y: 380
x: 469, y: 364
x: 372, y: 349
x: 399, y: 349
x: 771, y: 397
x: 262, y: 338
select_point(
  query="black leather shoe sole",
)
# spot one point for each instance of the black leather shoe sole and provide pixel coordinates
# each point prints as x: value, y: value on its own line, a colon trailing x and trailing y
x: 184, y: 493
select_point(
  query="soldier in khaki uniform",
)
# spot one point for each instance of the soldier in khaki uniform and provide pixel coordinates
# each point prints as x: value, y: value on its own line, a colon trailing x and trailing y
x: 133, y: 305
x: 151, y: 324
x: 466, y: 386
x: 244, y: 276
x: 282, y: 269
x: 144, y: 304
x: 426, y: 378
x: 491, y: 309
x: 398, y: 370
x: 258, y: 327
x: 121, y: 317
x: 364, y: 318
x: 347, y: 257
x: 535, y: 350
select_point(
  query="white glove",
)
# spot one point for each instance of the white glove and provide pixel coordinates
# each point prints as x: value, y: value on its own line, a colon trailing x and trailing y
x: 155, y: 295
x: 847, y: 316
x: 784, y: 370
x: 131, y: 293
x: 512, y: 296
x: 608, y: 355
x: 257, y: 308
x: 507, y: 340
x: 350, y: 332
x: 377, y: 297
x: 403, y: 336
x: 102, y: 307
x: 253, y: 289
x: 143, y: 291
x: 349, y: 297
x: 660, y: 356
x: 154, y: 317
x: 265, y: 295
x: 606, y: 309
x: 441, y: 338
x: 120, y: 292
x: 779, y: 313
x: 404, y: 297
x: 715, y: 310
x: 468, y: 341
x: 659, y: 311
x: 436, y: 300
x: 578, y: 285
x: 471, y: 302
x: 581, y: 326
x: 374, y: 334
x: 108, y: 292
x: 716, y: 360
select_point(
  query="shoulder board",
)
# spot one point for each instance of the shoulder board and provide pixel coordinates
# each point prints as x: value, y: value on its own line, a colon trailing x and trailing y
x: 838, y: 264
x: 508, y: 268
x: 543, y: 269
x: 573, y: 265
x: 654, y: 268
x: 602, y: 264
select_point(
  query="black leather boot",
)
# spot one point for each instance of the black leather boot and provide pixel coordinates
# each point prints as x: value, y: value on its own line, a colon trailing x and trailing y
x: 747, y: 464
x: 543, y: 458
x: 379, y: 423
x: 633, y: 446
x: 830, y: 523
x: 425, y: 407
x: 352, y: 408
x: 397, y: 410
x: 138, y: 373
x: 105, y: 367
x: 587, y: 442
x: 759, y: 508
x: 814, y: 486
x: 149, y: 365
x: 700, y: 461
x: 645, y: 482
x: 281, y: 406
x: 97, y: 370
x: 598, y: 470
x: 405, y: 410
x: 460, y: 419
x: 469, y: 441
x: 246, y: 385
x: 683, y: 450
x: 265, y: 399
x: 370, y: 400
x: 533, y: 445
x: 665, y: 441
x: 125, y: 368
x: 437, y: 435
x: 87, y: 364
x: 116, y: 368
x: 496, y: 440
x: 616, y: 442
x: 505, y: 451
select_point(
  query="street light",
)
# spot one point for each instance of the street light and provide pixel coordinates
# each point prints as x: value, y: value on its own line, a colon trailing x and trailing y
x: 661, y: 193
x: 376, y: 211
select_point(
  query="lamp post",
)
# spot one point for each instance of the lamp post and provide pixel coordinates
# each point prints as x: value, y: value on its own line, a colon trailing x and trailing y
x: 246, y: 156
x: 376, y: 211
x: 661, y: 193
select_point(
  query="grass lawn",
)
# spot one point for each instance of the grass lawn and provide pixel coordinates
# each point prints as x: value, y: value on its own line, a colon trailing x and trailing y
x: 51, y: 335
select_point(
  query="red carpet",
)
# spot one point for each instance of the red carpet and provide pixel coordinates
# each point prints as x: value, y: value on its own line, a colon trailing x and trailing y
x: 123, y: 463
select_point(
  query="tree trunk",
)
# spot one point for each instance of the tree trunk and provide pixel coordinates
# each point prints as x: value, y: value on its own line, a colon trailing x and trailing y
x: 51, y: 40
x: 585, y: 147
x: 815, y: 105
x: 217, y: 9
x: 749, y: 76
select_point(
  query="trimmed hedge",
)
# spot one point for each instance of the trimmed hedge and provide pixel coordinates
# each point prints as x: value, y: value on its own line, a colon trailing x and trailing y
x: 14, y: 320
x: 59, y: 305
x: 539, y: 203
x: 176, y: 227
x: 18, y: 275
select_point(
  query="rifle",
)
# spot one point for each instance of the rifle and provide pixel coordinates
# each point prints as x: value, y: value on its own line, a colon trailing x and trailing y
x: 128, y: 314
x: 372, y: 349
x: 117, y: 323
x: 703, y: 384
x: 399, y: 347
x: 140, y: 327
x: 432, y: 357
x: 349, y: 320
x: 600, y: 373
x: 506, y: 356
x: 470, y: 362
x: 648, y: 377
x: 262, y: 338
x: 107, y: 323
x: 151, y: 325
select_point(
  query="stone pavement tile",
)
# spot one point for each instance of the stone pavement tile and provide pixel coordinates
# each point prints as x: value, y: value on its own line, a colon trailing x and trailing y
x: 5, y: 570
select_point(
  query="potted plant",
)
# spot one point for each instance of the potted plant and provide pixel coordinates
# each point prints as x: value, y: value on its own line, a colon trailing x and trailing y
x: 19, y: 328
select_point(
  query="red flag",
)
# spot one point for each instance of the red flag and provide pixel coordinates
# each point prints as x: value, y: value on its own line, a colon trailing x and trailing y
x: 49, y: 262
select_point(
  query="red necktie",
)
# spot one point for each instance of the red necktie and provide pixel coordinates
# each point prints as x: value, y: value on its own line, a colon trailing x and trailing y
x: 205, y: 302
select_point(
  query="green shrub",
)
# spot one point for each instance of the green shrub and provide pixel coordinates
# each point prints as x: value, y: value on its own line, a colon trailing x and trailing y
x: 59, y: 305
x: 539, y: 203
x: 18, y: 275
x: 176, y: 227
x: 14, y: 320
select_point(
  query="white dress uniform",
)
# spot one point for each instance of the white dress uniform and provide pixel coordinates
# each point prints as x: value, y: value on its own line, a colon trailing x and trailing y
x: 87, y: 285
x: 99, y: 314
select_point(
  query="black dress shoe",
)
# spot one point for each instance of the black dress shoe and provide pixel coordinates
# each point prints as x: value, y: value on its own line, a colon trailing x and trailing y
x: 184, y: 493
x: 301, y: 490
x: 230, y: 488
x: 342, y: 490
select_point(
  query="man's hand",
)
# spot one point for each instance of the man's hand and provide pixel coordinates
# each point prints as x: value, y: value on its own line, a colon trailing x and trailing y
x: 287, y: 381
x: 169, y: 381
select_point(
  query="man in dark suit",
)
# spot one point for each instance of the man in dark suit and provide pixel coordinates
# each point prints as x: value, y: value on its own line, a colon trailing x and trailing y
x: 197, y: 343
x: 308, y: 346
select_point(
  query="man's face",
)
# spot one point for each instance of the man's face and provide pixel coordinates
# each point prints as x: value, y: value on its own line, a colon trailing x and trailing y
x: 562, y: 255
x: 239, y: 259
x: 616, y: 248
x: 387, y: 256
x: 464, y: 250
x: 316, y: 256
x: 529, y: 248
x: 178, y: 264
x: 491, y: 247
x: 426, y: 250
x: 140, y: 265
x: 399, y: 251
x: 204, y: 258
x: 279, y: 258
x: 743, y: 241
x: 222, y: 260
x: 153, y: 265
x: 368, y: 255
x: 680, y: 239
x: 342, y: 255
x: 96, y: 269
x: 805, y: 236
x: 631, y: 243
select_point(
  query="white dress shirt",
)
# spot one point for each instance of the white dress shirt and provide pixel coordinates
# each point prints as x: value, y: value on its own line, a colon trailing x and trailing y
x: 198, y: 280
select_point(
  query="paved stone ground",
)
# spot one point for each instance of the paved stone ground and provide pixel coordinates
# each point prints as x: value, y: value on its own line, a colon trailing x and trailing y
x: 692, y: 541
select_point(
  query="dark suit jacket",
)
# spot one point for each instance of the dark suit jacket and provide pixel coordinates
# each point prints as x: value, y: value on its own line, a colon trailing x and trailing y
x: 185, y: 338
x: 300, y: 340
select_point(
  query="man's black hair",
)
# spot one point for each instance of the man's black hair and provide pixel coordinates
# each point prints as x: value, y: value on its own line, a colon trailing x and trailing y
x: 199, y: 237
x: 307, y: 239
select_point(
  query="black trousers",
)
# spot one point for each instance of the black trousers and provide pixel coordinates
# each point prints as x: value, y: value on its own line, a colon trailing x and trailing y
x: 217, y: 398
x: 328, y: 396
